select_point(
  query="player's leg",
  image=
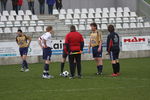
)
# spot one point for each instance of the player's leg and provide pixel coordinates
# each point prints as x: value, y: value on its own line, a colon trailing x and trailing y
x: 99, y: 65
x: 78, y: 62
x: 113, y: 62
x: 21, y: 55
x: 24, y: 58
x: 64, y: 56
x: 71, y: 64
x: 117, y: 63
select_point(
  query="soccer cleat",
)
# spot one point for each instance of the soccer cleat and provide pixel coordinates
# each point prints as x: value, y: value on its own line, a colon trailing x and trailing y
x: 99, y: 73
x: 50, y: 76
x: 26, y: 70
x: 80, y: 77
x: 22, y: 70
x: 118, y: 74
x: 61, y: 74
x: 114, y: 75
x: 71, y: 77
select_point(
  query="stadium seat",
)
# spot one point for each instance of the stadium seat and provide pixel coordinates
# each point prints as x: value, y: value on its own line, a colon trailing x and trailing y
x: 105, y: 15
x: 118, y: 26
x: 3, y: 18
x: 32, y: 23
x: 133, y: 14
x: 75, y: 22
x: 103, y: 26
x: 2, y: 24
x: 21, y: 13
x: 126, y: 20
x: 11, y: 18
x: 23, y: 29
x: 76, y: 16
x: 98, y: 10
x: 31, y: 29
x: 82, y: 21
x: 105, y: 10
x: 9, y: 24
x: 34, y: 17
x: 1, y: 30
x: 13, y: 13
x: 140, y: 19
x: 126, y: 9
x: 112, y: 15
x: 83, y: 16
x: 5, y: 13
x: 90, y: 15
x: 91, y: 10
x: 69, y: 16
x: 133, y: 19
x: 126, y: 14
x: 146, y: 24
x: 104, y: 20
x: 126, y: 25
x: 17, y: 24
x: 70, y: 11
x: 7, y: 30
x: 25, y: 23
x: 112, y: 10
x: 84, y: 11
x: 63, y: 11
x: 68, y: 22
x: 39, y: 29
x: 119, y: 14
x: 119, y: 9
x: 62, y: 17
x: 27, y: 18
x: 14, y: 30
x: 82, y: 27
x: 19, y: 18
x: 28, y: 12
x: 89, y: 21
x: 77, y: 11
x: 40, y: 23
x: 55, y: 12
x: 140, y: 25
x: 118, y: 20
x: 76, y: 27
x: 97, y: 20
x: 98, y: 15
x: 98, y: 26
x: 88, y: 27
x: 133, y: 25
x: 112, y: 20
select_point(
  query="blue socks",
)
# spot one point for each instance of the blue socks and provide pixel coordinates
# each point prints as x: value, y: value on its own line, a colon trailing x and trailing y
x: 46, y: 69
x: 100, y: 68
x: 25, y: 64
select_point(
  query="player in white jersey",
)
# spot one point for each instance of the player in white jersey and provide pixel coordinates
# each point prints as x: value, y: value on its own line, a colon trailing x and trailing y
x: 45, y: 42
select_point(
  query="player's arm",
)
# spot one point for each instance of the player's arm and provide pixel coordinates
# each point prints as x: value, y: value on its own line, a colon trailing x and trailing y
x: 17, y: 41
x: 66, y: 45
x: 100, y: 41
x: 29, y: 40
x: 109, y: 44
x: 40, y: 42
x: 89, y: 47
x: 82, y: 43
x: 45, y: 45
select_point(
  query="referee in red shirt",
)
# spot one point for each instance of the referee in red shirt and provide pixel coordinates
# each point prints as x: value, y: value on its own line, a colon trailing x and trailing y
x: 74, y: 44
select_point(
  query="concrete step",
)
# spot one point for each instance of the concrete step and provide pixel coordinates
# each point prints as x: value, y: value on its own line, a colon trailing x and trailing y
x: 47, y: 17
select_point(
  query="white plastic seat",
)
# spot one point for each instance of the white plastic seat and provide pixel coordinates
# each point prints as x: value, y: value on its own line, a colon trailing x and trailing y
x: 91, y: 10
x: 25, y: 23
x: 63, y: 11
x: 5, y: 13
x: 89, y: 21
x: 32, y: 23
x: 39, y: 29
x: 82, y: 21
x: 97, y: 20
x: 70, y: 11
x: 17, y: 24
x: 133, y: 25
x: 40, y: 23
x: 77, y: 11
x: 62, y: 17
x: 13, y: 13
x: 69, y: 16
x: 9, y: 24
x: 118, y: 26
x: 112, y: 10
x: 1, y: 30
x: 84, y: 11
x: 119, y: 14
x: 98, y: 15
x: 126, y: 9
x: 133, y: 19
x: 14, y: 30
x: 118, y: 20
x: 98, y: 27
x: 31, y: 29
x: 112, y: 14
x: 28, y: 12
x: 26, y: 17
x: 103, y: 26
x: 119, y: 9
x: 105, y: 15
x: 105, y: 10
x: 140, y: 25
x: 90, y: 15
x: 19, y: 18
x: 146, y: 24
x: 82, y: 27
x: 126, y: 20
x: 68, y: 22
x: 55, y: 12
x: 112, y: 20
x: 104, y: 20
x: 11, y: 18
x: 75, y: 22
x: 140, y: 19
x: 24, y: 29
x: 2, y: 24
x: 7, y: 30
x: 98, y: 10
x: 21, y: 13
x: 126, y: 14
x: 3, y: 18
x: 83, y: 16
x: 34, y: 17
x: 76, y: 27
x: 126, y: 25
x: 76, y: 16
x: 88, y: 27
x: 133, y: 14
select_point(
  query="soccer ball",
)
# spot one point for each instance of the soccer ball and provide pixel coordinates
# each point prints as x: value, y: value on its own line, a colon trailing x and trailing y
x: 65, y: 74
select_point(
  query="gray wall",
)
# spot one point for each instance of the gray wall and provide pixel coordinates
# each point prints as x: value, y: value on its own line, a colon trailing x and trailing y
x: 84, y: 4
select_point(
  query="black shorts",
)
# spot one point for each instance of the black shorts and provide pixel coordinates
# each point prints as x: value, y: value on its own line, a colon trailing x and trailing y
x: 95, y: 52
x: 114, y: 55
x: 23, y: 51
x: 64, y: 55
x: 47, y: 52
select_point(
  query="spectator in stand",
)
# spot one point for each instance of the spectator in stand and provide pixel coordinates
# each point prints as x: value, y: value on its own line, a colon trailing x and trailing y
x: 50, y: 4
x: 15, y: 5
x: 3, y: 4
x: 31, y: 5
x: 59, y: 5
x: 20, y: 2
x: 42, y: 6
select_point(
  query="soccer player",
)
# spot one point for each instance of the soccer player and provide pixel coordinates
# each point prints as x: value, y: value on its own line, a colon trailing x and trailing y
x: 113, y: 49
x: 45, y: 43
x: 74, y: 44
x: 23, y: 42
x: 96, y: 44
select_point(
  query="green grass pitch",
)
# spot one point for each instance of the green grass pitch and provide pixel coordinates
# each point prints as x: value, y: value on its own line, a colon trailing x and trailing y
x: 133, y: 84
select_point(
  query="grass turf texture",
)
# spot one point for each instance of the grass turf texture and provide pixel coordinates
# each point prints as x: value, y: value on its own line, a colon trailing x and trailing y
x: 133, y: 84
